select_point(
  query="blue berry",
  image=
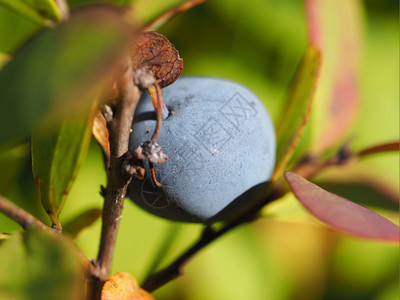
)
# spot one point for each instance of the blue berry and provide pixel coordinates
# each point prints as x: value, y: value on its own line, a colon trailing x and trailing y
x: 220, y: 143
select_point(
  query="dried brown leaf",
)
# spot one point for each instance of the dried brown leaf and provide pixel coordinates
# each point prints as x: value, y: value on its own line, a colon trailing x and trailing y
x: 100, y: 132
x: 155, y: 52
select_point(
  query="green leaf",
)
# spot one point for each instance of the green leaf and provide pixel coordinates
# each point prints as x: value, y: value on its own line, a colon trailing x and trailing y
x: 4, y: 236
x: 297, y: 109
x: 23, y: 29
x: 39, y: 12
x: 82, y: 221
x: 4, y: 58
x: 61, y: 68
x: 38, y: 265
x: 57, y: 154
x: 78, y: 3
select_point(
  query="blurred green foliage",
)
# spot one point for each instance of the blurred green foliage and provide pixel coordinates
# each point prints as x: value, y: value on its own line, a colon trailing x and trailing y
x: 259, y: 44
x: 38, y: 265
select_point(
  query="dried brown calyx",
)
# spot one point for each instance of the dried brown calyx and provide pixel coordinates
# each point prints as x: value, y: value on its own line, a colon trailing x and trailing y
x: 156, y: 64
x: 154, y: 56
x: 155, y: 52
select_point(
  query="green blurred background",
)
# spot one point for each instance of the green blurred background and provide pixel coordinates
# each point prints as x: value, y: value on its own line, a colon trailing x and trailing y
x: 288, y: 255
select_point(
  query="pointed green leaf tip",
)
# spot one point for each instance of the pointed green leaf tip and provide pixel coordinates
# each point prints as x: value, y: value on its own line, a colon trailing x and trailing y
x: 297, y: 109
x: 40, y: 12
x: 57, y: 154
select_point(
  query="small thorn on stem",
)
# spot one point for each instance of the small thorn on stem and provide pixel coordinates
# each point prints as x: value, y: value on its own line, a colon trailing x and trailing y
x: 153, y: 175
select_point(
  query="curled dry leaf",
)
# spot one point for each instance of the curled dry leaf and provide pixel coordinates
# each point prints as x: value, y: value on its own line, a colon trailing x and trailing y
x: 340, y: 213
x: 123, y: 286
x: 100, y: 132
x: 155, y: 52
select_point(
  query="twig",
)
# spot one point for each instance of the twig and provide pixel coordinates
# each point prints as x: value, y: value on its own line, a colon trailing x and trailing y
x: 174, y: 270
x: 393, y: 146
x: 307, y: 168
x: 119, y: 130
x: 312, y: 165
x: 177, y: 9
x: 167, y: 240
x: 209, y: 235
x: 22, y: 217
x: 27, y: 221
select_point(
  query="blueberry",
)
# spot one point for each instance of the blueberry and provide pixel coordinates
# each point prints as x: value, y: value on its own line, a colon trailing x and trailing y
x: 220, y: 143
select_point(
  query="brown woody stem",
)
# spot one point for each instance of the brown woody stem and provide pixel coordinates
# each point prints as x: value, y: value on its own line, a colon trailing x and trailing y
x: 119, y: 130
x: 27, y: 221
x: 22, y: 217
x: 308, y: 168
x: 177, y: 9
x: 209, y: 235
x: 392, y: 146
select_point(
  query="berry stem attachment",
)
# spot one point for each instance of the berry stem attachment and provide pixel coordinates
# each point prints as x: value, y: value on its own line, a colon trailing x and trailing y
x: 153, y: 174
x: 158, y: 102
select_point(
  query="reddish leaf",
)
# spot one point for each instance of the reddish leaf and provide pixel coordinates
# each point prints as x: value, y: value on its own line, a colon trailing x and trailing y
x: 340, y: 213
x: 335, y: 28
x: 123, y: 286
x: 364, y: 191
